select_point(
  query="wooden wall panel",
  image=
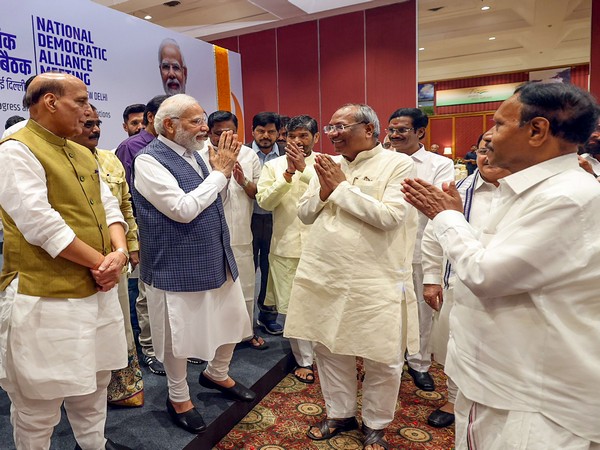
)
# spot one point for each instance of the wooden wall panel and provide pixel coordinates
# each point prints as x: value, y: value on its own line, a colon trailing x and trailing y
x: 230, y: 43
x: 441, y: 132
x: 342, y: 62
x: 298, y: 70
x: 595, y: 50
x: 466, y: 131
x: 391, y: 59
x: 259, y: 75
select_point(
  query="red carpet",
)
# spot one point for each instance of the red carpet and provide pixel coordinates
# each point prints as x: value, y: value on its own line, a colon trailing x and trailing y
x: 281, y: 419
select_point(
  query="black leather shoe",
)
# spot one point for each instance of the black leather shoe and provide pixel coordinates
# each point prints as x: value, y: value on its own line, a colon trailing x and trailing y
x: 440, y: 419
x: 236, y: 392
x: 110, y: 445
x: 422, y: 380
x: 195, y: 361
x: 155, y: 366
x: 190, y: 420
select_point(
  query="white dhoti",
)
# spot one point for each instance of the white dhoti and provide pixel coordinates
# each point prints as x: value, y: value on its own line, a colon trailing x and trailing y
x: 482, y: 427
x: 204, y: 325
x: 55, y: 350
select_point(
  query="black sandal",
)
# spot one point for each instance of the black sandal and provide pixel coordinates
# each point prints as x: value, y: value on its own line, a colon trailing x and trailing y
x: 332, y: 427
x: 373, y: 437
x: 310, y: 378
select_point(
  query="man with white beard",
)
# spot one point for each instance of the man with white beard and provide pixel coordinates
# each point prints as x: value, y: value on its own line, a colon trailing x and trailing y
x: 195, y: 299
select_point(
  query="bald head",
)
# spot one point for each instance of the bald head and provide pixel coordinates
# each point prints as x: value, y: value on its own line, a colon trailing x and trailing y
x: 58, y: 102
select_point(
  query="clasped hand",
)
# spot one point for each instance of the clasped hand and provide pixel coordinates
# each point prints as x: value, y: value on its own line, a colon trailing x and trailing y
x: 330, y: 175
x: 108, y: 273
x: 224, y: 158
x: 429, y: 199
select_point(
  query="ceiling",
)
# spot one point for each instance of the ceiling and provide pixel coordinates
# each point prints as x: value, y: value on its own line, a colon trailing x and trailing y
x: 454, y: 34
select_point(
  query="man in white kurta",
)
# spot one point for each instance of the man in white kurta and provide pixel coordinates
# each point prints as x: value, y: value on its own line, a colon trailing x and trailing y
x: 61, y: 330
x: 349, y: 294
x: 238, y: 204
x: 406, y: 128
x: 526, y: 306
x: 282, y: 182
x: 476, y: 192
x: 189, y: 321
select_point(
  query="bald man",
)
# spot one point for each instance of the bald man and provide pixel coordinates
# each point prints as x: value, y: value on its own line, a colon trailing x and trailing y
x: 62, y: 328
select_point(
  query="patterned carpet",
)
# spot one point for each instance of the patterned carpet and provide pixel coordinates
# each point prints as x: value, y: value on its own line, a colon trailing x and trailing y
x: 281, y: 419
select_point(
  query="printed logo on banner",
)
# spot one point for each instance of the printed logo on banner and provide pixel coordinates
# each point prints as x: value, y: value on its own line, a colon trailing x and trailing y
x: 66, y: 48
x: 13, y: 66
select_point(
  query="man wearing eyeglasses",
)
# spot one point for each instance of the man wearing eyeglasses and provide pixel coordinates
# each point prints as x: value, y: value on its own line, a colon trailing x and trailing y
x: 349, y: 293
x: 406, y: 128
x: 173, y: 70
x: 525, y: 319
x: 126, y: 387
x: 195, y: 298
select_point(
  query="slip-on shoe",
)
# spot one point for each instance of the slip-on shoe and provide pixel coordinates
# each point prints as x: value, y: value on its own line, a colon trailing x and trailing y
x: 422, y: 380
x: 440, y: 419
x: 235, y: 392
x: 190, y: 420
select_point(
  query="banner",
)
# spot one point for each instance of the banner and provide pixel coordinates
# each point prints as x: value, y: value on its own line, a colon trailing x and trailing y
x: 478, y: 94
x: 122, y: 60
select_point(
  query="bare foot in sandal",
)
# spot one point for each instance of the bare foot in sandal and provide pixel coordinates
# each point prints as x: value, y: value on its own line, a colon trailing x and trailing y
x: 305, y: 374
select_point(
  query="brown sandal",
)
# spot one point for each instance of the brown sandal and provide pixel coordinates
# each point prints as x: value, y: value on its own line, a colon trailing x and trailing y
x: 332, y: 427
x: 373, y: 437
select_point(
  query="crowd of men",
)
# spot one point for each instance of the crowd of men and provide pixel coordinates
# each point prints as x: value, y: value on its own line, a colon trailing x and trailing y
x: 372, y: 253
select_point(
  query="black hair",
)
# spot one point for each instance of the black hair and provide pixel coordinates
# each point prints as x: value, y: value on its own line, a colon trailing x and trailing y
x: 12, y: 120
x: 265, y: 118
x: 571, y: 111
x: 303, y: 121
x: 153, y: 105
x: 419, y: 118
x: 283, y: 122
x: 222, y: 116
x: 136, y: 108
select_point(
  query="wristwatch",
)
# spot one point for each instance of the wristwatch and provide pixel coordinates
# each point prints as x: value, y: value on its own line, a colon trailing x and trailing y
x: 246, y: 181
x: 125, y: 252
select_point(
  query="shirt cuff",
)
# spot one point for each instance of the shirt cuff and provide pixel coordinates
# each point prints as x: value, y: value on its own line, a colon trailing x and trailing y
x: 430, y: 278
x: 337, y: 191
x: 55, y: 245
x: 218, y: 179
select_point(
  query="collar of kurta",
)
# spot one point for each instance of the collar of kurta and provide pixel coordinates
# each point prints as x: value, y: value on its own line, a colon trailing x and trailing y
x: 520, y: 181
x: 365, y: 154
x: 421, y: 154
x: 47, y: 135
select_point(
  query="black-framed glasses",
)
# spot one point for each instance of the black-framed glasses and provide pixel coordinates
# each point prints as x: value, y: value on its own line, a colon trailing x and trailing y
x: 339, y: 127
x: 481, y: 151
x: 401, y: 130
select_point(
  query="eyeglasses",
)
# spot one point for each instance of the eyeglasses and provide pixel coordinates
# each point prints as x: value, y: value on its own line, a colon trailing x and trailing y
x: 196, y: 122
x: 398, y: 130
x: 481, y: 151
x: 91, y: 123
x: 328, y: 129
x: 166, y: 67
x: 220, y: 132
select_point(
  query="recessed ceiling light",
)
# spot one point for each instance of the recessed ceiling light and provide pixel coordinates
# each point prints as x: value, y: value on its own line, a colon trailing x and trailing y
x: 485, y: 8
x: 493, y: 38
x: 421, y: 49
x: 148, y: 17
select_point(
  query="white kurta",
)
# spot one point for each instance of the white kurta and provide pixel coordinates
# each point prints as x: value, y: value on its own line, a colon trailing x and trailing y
x: 525, y: 320
x: 52, y: 348
x: 434, y: 262
x: 238, y: 208
x: 202, y: 321
x: 353, y: 286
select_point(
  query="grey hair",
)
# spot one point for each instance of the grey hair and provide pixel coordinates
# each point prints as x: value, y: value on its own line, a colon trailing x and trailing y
x: 365, y: 114
x: 173, y: 106
x: 173, y: 43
